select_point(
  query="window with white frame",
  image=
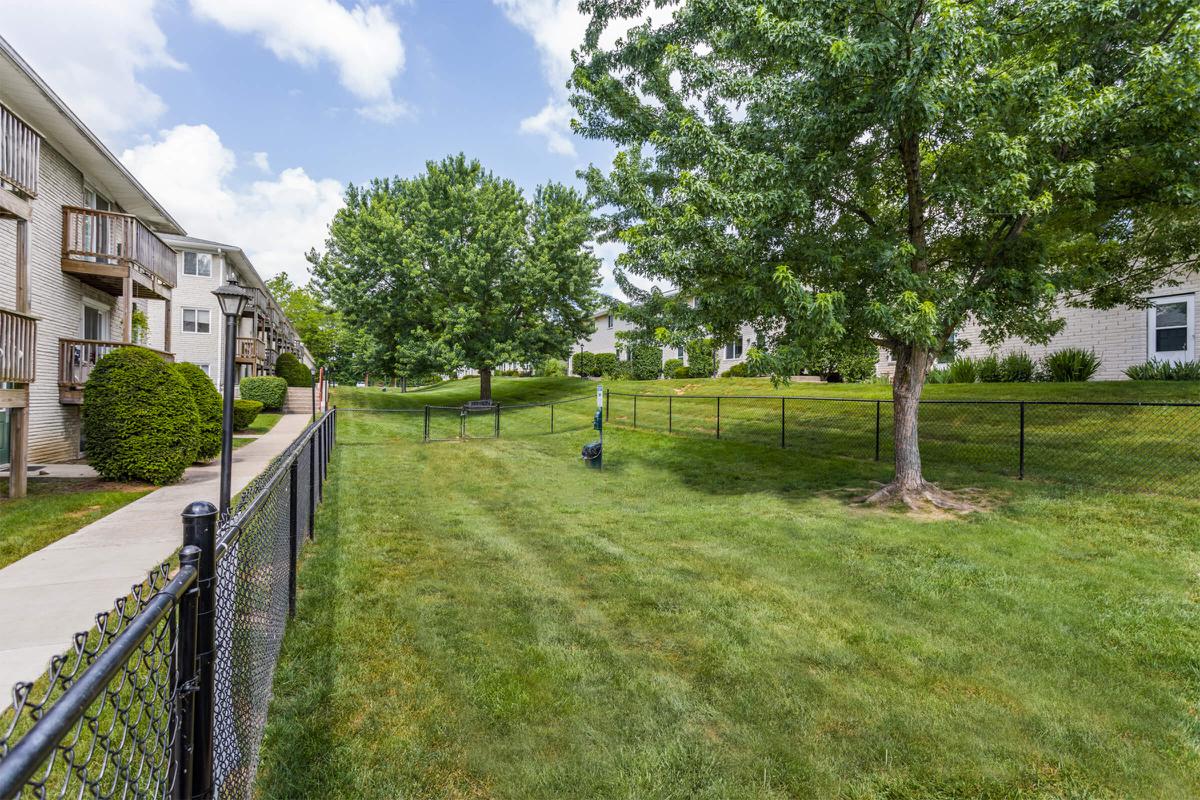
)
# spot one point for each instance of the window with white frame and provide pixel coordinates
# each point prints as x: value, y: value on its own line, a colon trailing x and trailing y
x: 1171, y: 324
x: 733, y: 349
x: 196, y: 320
x: 198, y: 264
x: 679, y: 353
x: 206, y: 367
x: 610, y: 321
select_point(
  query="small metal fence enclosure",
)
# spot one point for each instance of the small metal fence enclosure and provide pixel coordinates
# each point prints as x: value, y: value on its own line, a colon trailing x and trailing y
x: 1135, y: 446
x: 166, y: 698
x: 449, y: 423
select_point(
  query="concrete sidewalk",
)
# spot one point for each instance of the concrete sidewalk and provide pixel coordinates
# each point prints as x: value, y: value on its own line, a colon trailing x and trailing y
x: 49, y: 595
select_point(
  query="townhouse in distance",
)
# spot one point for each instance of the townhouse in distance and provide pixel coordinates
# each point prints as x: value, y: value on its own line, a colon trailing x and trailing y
x: 90, y: 261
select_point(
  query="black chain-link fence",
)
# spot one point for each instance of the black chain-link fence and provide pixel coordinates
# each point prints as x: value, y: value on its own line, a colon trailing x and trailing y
x: 167, y: 696
x: 1137, y: 446
x: 446, y: 423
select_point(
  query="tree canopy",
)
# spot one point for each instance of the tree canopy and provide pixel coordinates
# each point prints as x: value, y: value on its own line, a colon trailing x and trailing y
x: 891, y: 169
x: 456, y: 268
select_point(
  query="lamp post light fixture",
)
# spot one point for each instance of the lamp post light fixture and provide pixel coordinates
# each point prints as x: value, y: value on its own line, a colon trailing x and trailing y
x: 233, y: 300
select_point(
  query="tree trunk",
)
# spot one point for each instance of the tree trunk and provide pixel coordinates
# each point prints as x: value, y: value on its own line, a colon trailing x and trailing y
x: 907, y: 383
x: 485, y: 383
x: 909, y: 485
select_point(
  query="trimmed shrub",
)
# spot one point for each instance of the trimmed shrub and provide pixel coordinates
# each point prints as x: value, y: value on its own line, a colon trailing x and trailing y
x: 551, y: 368
x: 604, y: 364
x: 1071, y: 365
x: 292, y: 370
x: 988, y: 369
x: 736, y: 371
x: 702, y: 358
x: 1164, y: 371
x: 671, y: 366
x: 963, y: 370
x: 681, y: 373
x: 271, y: 392
x: 208, y: 407
x: 244, y: 413
x: 647, y: 362
x: 1017, y: 368
x: 139, y: 418
x: 584, y: 365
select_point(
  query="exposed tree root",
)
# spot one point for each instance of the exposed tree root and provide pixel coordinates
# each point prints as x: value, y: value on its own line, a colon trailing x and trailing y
x: 920, y: 497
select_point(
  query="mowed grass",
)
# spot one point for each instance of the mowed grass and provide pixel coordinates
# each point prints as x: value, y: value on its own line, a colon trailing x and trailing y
x: 713, y: 619
x: 54, y: 508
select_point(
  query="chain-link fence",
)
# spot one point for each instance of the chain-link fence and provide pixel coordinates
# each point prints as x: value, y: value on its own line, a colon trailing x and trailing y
x: 446, y: 423
x: 167, y: 696
x: 1136, y: 446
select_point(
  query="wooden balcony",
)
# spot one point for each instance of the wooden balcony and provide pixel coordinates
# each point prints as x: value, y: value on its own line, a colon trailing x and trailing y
x: 103, y: 248
x: 18, y: 347
x: 20, y: 154
x: 249, y: 351
x: 76, y: 357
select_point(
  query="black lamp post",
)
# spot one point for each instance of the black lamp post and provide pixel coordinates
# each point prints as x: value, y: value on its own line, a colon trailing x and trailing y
x: 233, y: 300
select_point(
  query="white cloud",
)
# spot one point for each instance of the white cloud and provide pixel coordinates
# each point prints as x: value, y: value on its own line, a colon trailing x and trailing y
x: 554, y: 123
x: 93, y: 54
x: 262, y: 161
x: 275, y: 220
x: 362, y: 42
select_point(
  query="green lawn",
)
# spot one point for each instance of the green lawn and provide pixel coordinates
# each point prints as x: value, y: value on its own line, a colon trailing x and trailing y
x: 262, y: 423
x: 54, y: 508
x: 713, y: 619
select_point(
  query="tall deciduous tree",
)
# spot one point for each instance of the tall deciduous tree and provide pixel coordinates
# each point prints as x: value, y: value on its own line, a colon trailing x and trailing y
x: 456, y: 267
x: 893, y: 168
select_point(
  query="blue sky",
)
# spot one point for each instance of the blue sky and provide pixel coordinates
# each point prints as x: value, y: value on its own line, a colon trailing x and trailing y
x: 246, y: 118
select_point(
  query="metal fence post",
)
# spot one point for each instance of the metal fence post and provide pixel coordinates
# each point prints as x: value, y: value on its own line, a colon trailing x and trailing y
x: 718, y: 417
x: 200, y: 531
x: 312, y: 488
x: 607, y: 403
x: 319, y: 443
x: 878, y: 413
x: 183, y: 679
x: 670, y: 413
x: 427, y: 423
x: 293, y: 532
x: 1021, y: 468
x: 497, y: 422
x: 783, y: 422
x: 635, y: 411
x: 552, y: 417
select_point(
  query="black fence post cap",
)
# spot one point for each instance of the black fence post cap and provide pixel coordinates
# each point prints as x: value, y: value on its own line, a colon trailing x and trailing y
x: 199, y: 508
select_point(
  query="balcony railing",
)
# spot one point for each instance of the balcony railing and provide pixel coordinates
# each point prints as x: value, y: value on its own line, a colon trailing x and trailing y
x: 77, y: 357
x: 108, y: 238
x: 18, y: 347
x: 20, y: 153
x: 250, y: 351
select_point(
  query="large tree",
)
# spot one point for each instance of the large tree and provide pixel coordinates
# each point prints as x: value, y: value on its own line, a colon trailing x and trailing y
x: 894, y: 168
x: 455, y: 267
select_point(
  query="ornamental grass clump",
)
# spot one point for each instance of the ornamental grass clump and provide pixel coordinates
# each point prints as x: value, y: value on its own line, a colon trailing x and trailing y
x: 139, y: 418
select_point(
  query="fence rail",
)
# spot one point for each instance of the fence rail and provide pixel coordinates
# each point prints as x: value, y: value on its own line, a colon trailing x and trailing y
x: 446, y: 423
x: 167, y: 697
x: 1142, y: 446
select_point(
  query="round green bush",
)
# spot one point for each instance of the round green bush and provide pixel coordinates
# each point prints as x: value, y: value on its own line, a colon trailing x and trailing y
x: 647, y: 362
x: 681, y: 373
x: 702, y: 358
x: 605, y: 364
x: 671, y: 366
x: 271, y: 392
x: 584, y: 365
x: 244, y: 413
x: 739, y: 370
x: 290, y: 368
x: 139, y: 418
x: 208, y: 406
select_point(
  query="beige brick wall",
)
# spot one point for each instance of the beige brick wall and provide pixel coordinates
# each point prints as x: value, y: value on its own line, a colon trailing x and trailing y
x: 1120, y: 336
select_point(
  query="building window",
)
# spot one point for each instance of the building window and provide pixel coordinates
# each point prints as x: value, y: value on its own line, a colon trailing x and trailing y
x: 733, y: 349
x: 199, y: 264
x: 610, y: 321
x: 206, y: 368
x: 679, y: 353
x: 1172, y: 328
x: 195, y: 320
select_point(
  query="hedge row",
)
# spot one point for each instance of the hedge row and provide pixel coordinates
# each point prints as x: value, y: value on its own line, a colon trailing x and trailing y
x: 288, y: 367
x: 270, y: 391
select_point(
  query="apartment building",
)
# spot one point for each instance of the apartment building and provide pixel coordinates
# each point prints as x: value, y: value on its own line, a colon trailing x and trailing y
x: 83, y: 249
x: 80, y: 243
x: 197, y: 328
x: 603, y: 339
